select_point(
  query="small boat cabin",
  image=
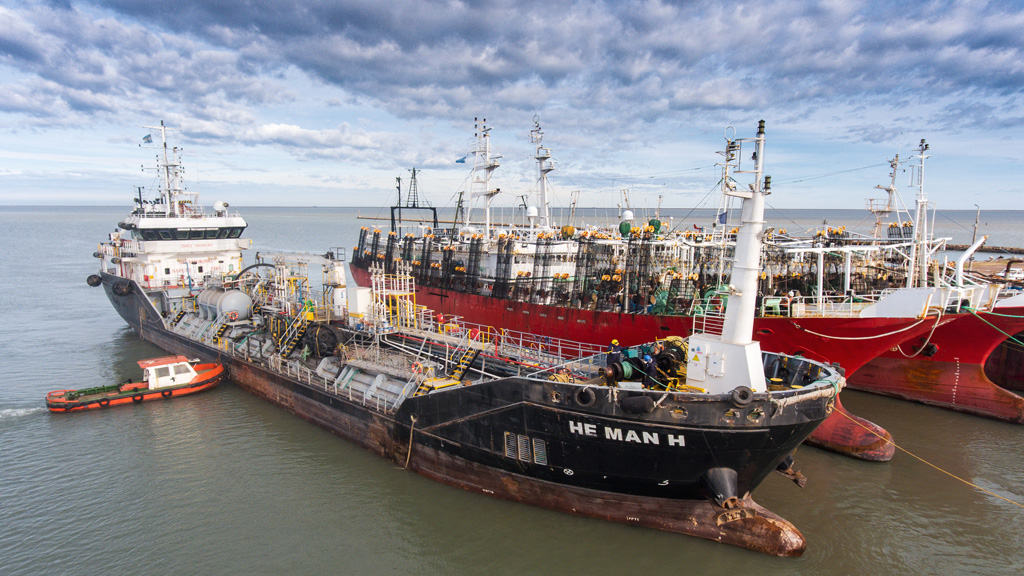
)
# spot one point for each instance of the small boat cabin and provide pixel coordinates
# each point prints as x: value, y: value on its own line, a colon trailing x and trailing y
x: 167, y: 371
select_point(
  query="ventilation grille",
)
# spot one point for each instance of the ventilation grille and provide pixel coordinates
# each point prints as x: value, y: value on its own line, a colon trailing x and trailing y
x: 526, y: 449
x: 510, y: 445
x: 540, y: 452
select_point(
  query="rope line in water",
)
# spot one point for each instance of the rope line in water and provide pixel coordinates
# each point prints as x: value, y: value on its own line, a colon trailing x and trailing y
x: 946, y: 472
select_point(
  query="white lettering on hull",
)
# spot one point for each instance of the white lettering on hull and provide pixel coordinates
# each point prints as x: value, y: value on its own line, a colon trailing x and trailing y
x: 625, y: 435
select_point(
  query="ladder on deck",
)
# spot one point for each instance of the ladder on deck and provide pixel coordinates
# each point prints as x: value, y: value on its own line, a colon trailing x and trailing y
x: 180, y: 315
x: 291, y: 338
x: 220, y: 332
x: 465, y: 361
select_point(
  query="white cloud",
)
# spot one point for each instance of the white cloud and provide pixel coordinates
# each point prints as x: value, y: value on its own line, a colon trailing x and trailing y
x: 364, y: 88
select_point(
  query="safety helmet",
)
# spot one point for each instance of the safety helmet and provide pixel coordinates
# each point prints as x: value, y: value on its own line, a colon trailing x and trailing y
x: 616, y: 342
x: 647, y: 357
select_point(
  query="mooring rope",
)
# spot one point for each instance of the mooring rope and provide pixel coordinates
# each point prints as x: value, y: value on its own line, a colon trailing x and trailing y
x: 408, y: 454
x: 924, y: 344
x: 1008, y: 335
x: 946, y: 472
x: 799, y: 327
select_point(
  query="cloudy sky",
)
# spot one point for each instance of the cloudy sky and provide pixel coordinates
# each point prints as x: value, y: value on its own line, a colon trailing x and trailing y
x: 300, y: 102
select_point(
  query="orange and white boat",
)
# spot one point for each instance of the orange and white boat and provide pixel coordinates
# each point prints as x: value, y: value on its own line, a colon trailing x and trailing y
x: 162, y: 378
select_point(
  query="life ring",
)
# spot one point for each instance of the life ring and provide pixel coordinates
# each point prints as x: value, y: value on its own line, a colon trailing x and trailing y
x: 166, y: 393
x: 742, y: 396
x: 232, y: 316
x: 104, y: 403
x: 417, y: 368
x: 137, y: 398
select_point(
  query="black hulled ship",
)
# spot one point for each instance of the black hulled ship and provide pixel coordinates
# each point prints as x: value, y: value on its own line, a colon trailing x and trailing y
x: 673, y: 435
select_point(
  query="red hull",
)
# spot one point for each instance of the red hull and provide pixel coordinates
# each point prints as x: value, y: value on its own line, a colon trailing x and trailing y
x: 851, y: 342
x: 949, y: 372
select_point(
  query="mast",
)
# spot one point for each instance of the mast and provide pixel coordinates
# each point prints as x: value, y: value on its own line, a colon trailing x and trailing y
x: 412, y: 202
x: 739, y: 313
x: 483, y: 166
x: 412, y: 199
x: 875, y: 206
x: 722, y: 361
x: 177, y: 201
x: 544, y: 165
x: 919, y: 252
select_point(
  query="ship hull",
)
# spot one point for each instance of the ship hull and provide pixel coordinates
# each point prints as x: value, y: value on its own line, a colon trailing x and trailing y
x: 851, y: 342
x: 456, y: 437
x: 947, y: 369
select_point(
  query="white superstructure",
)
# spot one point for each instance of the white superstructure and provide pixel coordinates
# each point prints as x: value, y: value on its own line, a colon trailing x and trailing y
x: 170, y: 242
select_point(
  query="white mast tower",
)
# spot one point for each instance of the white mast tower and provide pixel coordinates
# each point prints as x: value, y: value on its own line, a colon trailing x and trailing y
x: 176, y: 200
x: 919, y: 252
x: 544, y: 165
x: 483, y: 166
x: 727, y: 359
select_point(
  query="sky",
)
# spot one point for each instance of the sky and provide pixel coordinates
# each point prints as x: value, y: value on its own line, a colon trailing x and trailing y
x: 322, y: 103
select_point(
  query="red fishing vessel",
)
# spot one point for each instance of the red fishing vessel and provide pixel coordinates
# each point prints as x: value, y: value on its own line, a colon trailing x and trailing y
x: 946, y: 367
x: 162, y: 379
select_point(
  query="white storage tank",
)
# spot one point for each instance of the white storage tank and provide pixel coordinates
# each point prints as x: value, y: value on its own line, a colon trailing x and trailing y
x: 216, y: 301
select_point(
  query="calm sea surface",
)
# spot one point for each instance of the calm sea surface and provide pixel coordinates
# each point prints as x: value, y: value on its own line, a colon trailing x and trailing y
x: 225, y: 483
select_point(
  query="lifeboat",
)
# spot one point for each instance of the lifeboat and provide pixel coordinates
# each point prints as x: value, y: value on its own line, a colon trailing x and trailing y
x: 162, y: 379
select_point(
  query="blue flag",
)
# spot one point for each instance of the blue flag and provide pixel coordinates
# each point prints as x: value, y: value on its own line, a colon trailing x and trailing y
x: 461, y: 160
x: 723, y: 217
x: 148, y: 138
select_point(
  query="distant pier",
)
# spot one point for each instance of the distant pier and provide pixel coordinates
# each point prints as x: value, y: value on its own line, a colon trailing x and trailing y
x: 999, y: 249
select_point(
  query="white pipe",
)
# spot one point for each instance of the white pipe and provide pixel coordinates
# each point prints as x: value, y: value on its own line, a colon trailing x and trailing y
x: 963, y: 258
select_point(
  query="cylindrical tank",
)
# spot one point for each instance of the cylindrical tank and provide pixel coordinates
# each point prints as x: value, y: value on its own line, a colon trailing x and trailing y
x: 216, y: 301
x: 203, y: 302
